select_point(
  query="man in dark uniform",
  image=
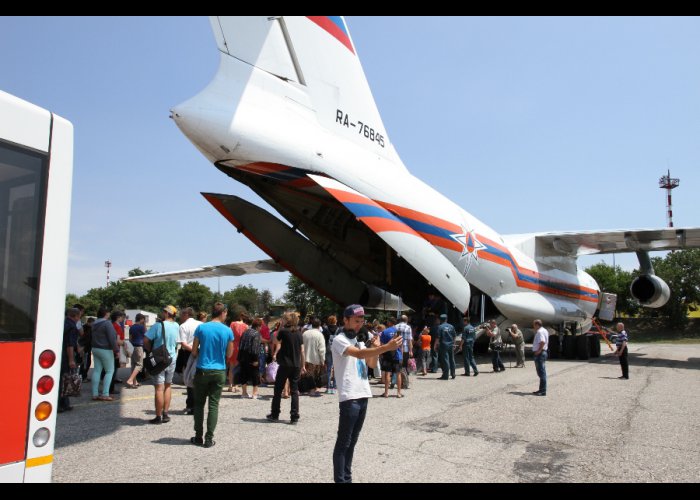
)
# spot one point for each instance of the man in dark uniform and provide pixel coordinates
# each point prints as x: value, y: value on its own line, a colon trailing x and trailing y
x: 445, y: 347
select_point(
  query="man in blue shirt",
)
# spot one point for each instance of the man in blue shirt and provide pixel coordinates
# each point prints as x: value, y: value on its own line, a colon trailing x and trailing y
x: 212, y: 346
x: 163, y: 380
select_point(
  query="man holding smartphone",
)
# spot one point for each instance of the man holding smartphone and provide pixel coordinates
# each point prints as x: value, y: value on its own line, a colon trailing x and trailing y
x: 350, y: 361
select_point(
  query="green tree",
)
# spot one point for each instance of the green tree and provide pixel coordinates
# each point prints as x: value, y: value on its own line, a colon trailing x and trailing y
x: 71, y: 299
x: 614, y: 280
x: 681, y: 270
x: 132, y: 295
x: 197, y: 296
x: 265, y: 301
x: 306, y: 300
x: 243, y: 296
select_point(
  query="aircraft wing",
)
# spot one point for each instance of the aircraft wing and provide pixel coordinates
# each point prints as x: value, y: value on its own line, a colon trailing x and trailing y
x: 239, y: 269
x: 618, y: 241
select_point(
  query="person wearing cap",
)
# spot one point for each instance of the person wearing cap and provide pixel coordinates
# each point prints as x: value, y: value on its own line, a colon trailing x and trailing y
x: 519, y: 342
x: 444, y: 344
x: 137, y: 331
x: 163, y: 381
x: 468, y: 340
x: 350, y: 361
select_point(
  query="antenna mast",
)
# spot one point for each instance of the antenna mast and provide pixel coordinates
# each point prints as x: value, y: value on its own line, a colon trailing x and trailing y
x: 667, y: 183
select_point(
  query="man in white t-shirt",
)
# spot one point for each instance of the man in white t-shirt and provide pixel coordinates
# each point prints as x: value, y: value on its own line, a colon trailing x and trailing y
x: 350, y: 361
x: 539, y: 349
x: 186, y: 338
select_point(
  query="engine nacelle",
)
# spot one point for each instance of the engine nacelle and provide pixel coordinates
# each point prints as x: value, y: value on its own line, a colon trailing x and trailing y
x: 650, y: 290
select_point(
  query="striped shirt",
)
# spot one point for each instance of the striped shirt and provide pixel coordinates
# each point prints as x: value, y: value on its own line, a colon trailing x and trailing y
x: 407, y: 335
x: 621, y: 338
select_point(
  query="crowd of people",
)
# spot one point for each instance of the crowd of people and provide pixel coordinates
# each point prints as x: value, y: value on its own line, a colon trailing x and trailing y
x: 214, y: 356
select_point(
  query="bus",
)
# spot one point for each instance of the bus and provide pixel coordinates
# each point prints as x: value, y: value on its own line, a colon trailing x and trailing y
x: 36, y: 170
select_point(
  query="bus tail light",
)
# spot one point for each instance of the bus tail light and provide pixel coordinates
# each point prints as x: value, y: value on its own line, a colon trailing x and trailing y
x: 43, y: 410
x: 44, y: 385
x: 47, y: 358
x: 41, y: 437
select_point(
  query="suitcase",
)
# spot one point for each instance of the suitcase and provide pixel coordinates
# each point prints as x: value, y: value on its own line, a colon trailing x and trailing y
x: 306, y: 382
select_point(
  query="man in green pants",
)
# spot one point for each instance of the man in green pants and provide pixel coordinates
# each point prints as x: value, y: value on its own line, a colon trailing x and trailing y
x: 213, y: 345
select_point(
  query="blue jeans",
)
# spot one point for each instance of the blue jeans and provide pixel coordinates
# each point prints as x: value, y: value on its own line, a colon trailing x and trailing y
x: 352, y: 417
x: 468, y: 351
x: 496, y: 361
x: 541, y: 371
x: 434, y: 358
x: 103, y: 358
x: 329, y: 369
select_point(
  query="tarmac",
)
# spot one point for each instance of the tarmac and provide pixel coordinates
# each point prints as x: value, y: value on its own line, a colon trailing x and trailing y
x: 591, y: 427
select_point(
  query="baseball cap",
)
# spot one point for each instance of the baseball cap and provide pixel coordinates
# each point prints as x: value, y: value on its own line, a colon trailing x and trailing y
x: 443, y: 316
x: 354, y: 310
x: 170, y: 310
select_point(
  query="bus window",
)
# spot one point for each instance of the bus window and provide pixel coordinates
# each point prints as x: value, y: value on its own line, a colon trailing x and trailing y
x: 22, y: 200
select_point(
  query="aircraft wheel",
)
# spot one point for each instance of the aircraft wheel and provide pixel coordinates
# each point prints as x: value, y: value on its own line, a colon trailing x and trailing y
x: 568, y: 347
x: 594, y: 340
x: 554, y: 349
x: 583, y: 347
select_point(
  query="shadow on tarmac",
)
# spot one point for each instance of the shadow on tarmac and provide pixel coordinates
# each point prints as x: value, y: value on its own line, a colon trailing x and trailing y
x: 172, y: 441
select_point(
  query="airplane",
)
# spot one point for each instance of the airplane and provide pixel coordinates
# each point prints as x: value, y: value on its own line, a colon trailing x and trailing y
x: 290, y: 114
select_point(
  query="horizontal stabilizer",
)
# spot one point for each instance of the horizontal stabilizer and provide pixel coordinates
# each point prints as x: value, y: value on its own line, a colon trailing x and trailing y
x: 239, y: 269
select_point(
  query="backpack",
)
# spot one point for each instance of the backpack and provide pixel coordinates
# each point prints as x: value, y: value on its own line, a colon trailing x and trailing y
x: 248, y: 349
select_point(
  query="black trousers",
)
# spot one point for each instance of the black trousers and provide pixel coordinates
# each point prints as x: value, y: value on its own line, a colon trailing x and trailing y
x: 292, y: 374
x: 624, y: 364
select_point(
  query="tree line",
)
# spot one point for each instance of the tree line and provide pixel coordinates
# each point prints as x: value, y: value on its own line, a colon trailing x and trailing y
x: 680, y: 269
x: 152, y: 297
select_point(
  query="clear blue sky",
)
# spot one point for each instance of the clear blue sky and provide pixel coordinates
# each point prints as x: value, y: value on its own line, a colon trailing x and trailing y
x: 530, y: 124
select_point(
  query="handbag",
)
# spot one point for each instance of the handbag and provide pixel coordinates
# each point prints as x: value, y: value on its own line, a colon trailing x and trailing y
x: 271, y: 372
x: 189, y: 372
x: 412, y: 365
x: 158, y: 359
x: 71, y: 383
x: 497, y: 346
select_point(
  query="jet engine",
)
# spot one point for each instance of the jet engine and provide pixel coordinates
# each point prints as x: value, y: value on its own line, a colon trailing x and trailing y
x: 650, y: 290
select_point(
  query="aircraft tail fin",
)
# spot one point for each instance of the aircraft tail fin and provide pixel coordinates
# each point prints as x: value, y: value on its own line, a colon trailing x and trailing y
x: 316, y: 55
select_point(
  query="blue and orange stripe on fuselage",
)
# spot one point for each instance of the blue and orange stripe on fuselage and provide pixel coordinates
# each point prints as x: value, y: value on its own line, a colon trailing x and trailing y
x: 383, y: 216
x: 439, y: 232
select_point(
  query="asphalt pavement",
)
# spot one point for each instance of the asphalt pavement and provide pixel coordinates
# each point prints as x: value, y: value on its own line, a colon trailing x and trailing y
x: 591, y: 427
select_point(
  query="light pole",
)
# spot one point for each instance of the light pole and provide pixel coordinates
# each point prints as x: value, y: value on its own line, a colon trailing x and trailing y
x: 108, y: 264
x: 667, y: 183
